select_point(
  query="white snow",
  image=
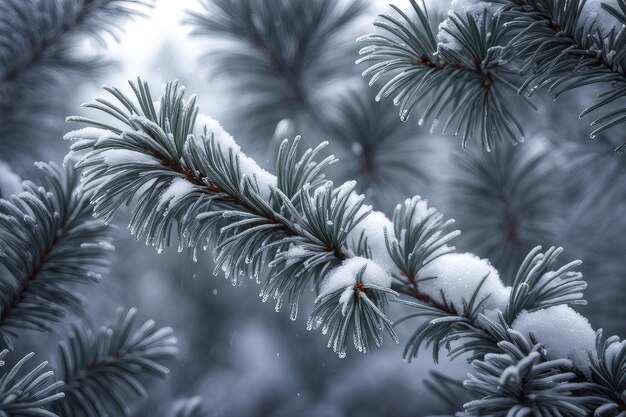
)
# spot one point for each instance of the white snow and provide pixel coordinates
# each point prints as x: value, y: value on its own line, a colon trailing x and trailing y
x: 116, y: 157
x: 89, y: 133
x: 562, y: 331
x: 458, y: 275
x: 264, y: 179
x: 248, y: 166
x: 445, y: 39
x: 176, y: 191
x: 460, y: 8
x: 594, y: 13
x: 373, y: 227
x: 294, y: 254
x: 221, y: 137
x: 345, y: 276
x: 10, y: 183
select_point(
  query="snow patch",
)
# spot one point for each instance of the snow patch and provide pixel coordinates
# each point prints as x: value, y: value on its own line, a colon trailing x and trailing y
x: 345, y: 276
x: 89, y: 133
x: 373, y: 227
x: 562, y: 331
x: 294, y: 254
x: 176, y: 191
x: 458, y: 276
x: 460, y: 9
x: 206, y: 125
x: 116, y: 157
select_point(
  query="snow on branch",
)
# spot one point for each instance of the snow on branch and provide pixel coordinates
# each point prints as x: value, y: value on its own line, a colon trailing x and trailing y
x: 565, y: 44
x: 203, y: 191
x: 454, y: 79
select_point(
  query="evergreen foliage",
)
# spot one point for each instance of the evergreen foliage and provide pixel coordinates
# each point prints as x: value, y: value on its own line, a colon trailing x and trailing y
x: 286, y: 50
x: 518, y: 382
x: 50, y: 242
x: 296, y: 233
x: 504, y: 202
x: 39, y: 58
x: 566, y: 47
x: 293, y: 65
x: 465, y: 85
x: 25, y: 393
x: 204, y: 188
x: 104, y: 371
x: 556, y: 45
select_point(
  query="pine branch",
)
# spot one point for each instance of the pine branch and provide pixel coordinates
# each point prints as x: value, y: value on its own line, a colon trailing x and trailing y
x: 25, y: 395
x: 49, y: 243
x: 459, y: 73
x: 40, y: 61
x: 519, y: 382
x: 388, y: 157
x: 284, y: 52
x: 103, y: 372
x: 37, y: 37
x: 202, y: 184
x: 505, y: 202
x: 610, y: 375
x: 564, y: 47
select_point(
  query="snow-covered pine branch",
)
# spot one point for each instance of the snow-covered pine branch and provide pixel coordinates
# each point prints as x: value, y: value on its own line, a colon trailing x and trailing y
x: 469, y: 65
x: 455, y: 79
x: 568, y: 44
x: 50, y: 241
x: 193, y: 184
x: 295, y: 222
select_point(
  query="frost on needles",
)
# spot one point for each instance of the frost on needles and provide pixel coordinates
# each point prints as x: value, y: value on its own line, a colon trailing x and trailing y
x: 467, y: 73
x: 297, y: 230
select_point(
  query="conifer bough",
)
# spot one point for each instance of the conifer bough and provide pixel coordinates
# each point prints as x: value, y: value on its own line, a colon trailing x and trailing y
x: 99, y: 374
x: 464, y: 67
x: 50, y: 241
x: 25, y: 394
x: 190, y: 183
